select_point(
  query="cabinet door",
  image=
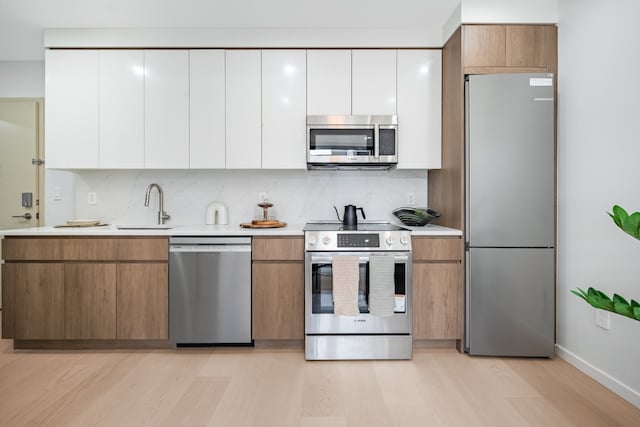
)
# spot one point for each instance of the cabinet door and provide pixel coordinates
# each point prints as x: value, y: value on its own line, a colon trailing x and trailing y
x: 33, y: 301
x: 419, y: 109
x: 484, y: 46
x: 71, y: 108
x: 243, y: 112
x: 166, y: 107
x: 527, y: 45
x: 121, y: 109
x: 278, y: 301
x: 206, y: 110
x: 142, y: 304
x: 89, y: 301
x: 328, y: 82
x: 284, y: 110
x: 437, y: 301
x: 374, y: 82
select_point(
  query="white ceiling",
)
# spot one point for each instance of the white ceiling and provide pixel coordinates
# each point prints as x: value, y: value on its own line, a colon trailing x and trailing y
x: 22, y: 21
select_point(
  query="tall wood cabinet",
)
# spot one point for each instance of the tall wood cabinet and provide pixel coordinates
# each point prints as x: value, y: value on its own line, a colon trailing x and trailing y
x: 85, y: 288
x: 278, y: 288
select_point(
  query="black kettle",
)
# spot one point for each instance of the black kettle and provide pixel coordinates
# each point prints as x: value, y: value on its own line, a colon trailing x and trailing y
x: 350, y: 218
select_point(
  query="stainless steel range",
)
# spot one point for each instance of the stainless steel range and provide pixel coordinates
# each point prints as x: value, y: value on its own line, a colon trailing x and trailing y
x: 379, y: 325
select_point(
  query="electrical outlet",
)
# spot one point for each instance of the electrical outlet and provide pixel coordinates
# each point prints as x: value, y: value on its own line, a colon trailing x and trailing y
x: 602, y: 318
x: 263, y: 196
x: 411, y: 199
x: 92, y: 198
x: 57, y: 194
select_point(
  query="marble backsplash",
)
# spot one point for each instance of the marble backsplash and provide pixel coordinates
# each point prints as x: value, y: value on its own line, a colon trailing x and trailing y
x: 298, y: 196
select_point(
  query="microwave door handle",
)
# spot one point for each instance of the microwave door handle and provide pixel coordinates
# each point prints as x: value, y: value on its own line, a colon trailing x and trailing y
x: 376, y: 141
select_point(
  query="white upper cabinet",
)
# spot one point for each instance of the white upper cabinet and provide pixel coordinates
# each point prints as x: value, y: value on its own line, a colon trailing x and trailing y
x: 243, y: 115
x: 166, y: 105
x: 71, y: 109
x: 328, y: 82
x: 207, y: 109
x: 284, y: 109
x: 374, y: 82
x: 121, y: 109
x: 419, y: 109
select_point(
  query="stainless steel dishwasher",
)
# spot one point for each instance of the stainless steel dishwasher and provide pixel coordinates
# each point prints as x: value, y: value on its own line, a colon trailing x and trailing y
x: 210, y: 290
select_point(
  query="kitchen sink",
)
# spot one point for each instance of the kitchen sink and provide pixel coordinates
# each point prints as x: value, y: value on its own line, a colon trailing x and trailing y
x: 144, y: 227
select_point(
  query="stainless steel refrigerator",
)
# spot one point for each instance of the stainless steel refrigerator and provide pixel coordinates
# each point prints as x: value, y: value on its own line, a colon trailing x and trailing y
x: 510, y: 215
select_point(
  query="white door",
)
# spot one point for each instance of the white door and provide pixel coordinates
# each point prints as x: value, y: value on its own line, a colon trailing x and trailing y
x: 243, y: 109
x: 373, y: 82
x: 19, y: 133
x: 166, y: 109
x: 284, y: 111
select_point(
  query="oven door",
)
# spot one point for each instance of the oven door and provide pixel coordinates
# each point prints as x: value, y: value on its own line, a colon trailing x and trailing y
x: 319, y: 317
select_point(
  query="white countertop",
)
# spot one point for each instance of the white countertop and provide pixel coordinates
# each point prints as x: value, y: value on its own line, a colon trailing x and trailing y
x: 198, y: 230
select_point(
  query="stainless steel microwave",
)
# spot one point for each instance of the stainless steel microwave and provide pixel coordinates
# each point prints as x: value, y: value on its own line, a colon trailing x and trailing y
x: 352, y: 142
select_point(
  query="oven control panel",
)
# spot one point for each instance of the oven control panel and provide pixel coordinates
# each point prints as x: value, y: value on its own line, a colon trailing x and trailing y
x: 350, y: 241
x: 355, y: 240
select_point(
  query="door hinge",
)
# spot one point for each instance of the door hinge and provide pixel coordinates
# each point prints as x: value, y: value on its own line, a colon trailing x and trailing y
x: 38, y: 162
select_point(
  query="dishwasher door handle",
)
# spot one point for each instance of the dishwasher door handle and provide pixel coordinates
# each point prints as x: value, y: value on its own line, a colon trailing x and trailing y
x: 209, y: 248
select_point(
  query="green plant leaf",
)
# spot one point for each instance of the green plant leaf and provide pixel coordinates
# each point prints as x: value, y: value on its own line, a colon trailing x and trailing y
x: 634, y: 304
x: 592, y: 291
x: 618, y: 299
x: 580, y: 295
x: 624, y: 309
x: 603, y: 295
x: 584, y: 294
x: 631, y: 224
x: 636, y: 312
x: 619, y: 214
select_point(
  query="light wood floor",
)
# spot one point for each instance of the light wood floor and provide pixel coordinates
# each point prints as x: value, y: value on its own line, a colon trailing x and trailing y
x: 264, y: 387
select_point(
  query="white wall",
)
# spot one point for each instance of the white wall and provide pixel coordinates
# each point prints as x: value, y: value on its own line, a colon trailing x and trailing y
x: 598, y: 154
x: 297, y: 196
x: 509, y: 11
x: 21, y: 79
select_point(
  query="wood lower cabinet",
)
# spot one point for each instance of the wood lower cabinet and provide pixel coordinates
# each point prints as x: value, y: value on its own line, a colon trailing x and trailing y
x: 33, y: 301
x: 278, y: 301
x: 142, y: 301
x: 89, y: 301
x: 437, y: 301
x: 85, y: 289
x: 278, y: 288
x: 437, y: 288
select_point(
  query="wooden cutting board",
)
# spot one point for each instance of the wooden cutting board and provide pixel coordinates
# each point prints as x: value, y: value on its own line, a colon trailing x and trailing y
x: 263, y: 224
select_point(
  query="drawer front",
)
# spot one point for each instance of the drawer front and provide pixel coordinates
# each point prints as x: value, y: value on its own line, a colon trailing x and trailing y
x: 278, y: 249
x: 36, y: 249
x: 143, y: 249
x: 437, y: 249
x: 85, y: 249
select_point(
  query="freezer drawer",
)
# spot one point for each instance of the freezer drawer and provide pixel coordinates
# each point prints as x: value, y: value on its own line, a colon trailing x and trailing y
x: 510, y: 305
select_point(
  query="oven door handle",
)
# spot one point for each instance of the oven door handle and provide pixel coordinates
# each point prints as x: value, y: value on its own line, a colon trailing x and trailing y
x: 327, y: 259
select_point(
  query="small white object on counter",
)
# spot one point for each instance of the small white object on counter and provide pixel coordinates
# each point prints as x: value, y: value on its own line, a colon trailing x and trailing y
x: 217, y: 214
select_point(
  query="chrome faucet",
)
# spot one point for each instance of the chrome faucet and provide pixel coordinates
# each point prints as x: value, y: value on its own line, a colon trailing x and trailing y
x: 162, y: 215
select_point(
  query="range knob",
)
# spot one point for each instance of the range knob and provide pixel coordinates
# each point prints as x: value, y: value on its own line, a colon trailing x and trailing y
x: 404, y: 240
x: 389, y: 240
x: 326, y: 240
x: 311, y: 240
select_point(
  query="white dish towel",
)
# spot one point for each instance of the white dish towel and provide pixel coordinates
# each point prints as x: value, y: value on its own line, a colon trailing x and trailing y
x: 381, y: 285
x: 346, y: 276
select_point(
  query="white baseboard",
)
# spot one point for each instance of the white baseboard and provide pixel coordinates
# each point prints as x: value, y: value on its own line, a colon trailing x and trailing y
x: 621, y: 389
